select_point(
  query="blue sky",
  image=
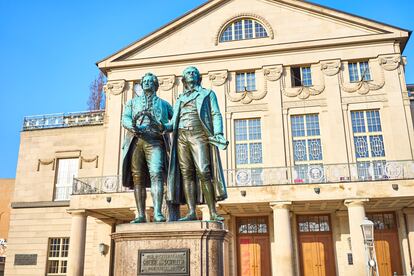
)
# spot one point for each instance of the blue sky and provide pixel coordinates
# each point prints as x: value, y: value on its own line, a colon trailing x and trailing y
x: 48, y: 50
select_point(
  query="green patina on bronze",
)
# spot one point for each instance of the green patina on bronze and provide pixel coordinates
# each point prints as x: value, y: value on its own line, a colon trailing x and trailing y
x: 145, y: 146
x: 197, y: 127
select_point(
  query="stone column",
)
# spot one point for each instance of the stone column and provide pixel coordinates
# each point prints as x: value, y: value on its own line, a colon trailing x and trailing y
x: 282, y: 255
x: 77, y: 243
x: 409, y: 214
x: 356, y: 215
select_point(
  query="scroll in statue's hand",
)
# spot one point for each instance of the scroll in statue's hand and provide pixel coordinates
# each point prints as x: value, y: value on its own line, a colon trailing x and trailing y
x: 219, y: 141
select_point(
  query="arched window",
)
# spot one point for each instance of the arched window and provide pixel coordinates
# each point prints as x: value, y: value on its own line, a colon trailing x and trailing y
x: 241, y: 29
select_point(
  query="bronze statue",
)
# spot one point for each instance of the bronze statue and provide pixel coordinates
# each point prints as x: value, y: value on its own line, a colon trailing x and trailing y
x: 145, y: 147
x: 197, y: 127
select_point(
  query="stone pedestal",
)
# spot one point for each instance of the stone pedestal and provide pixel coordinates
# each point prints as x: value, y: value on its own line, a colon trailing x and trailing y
x: 144, y: 249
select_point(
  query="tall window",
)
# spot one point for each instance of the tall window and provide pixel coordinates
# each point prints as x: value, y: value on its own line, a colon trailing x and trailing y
x: 67, y: 169
x: 248, y: 151
x: 307, y: 148
x: 359, y: 71
x: 368, y: 143
x: 243, y: 29
x: 245, y: 81
x: 57, y: 260
x: 301, y: 76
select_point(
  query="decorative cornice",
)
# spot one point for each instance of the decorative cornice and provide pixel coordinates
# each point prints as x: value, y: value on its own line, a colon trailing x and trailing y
x: 273, y: 72
x: 331, y: 67
x: 390, y: 62
x: 115, y: 87
x: 218, y: 78
x: 259, y: 18
x: 166, y: 82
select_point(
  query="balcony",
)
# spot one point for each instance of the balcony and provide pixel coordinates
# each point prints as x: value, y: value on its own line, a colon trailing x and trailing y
x: 63, y: 120
x: 297, y: 175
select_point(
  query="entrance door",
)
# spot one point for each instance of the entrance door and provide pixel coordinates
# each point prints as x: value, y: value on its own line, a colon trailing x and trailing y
x: 387, y: 245
x: 315, y: 246
x: 253, y: 246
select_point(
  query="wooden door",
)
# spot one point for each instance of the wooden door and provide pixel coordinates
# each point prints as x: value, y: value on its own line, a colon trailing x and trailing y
x: 316, y: 246
x: 253, y: 247
x: 387, y: 245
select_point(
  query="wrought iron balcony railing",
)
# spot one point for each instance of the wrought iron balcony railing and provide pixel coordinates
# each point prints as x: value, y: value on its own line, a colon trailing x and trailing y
x: 61, y: 120
x: 297, y: 175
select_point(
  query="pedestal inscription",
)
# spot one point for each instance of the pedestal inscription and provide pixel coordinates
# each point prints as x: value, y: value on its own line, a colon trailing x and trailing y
x: 163, y: 262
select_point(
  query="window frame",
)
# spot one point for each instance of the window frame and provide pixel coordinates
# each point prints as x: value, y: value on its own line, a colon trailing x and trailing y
x: 60, y: 258
x: 294, y: 79
x: 368, y: 167
x: 359, y: 72
x: 246, y: 82
x: 243, y: 30
x: 56, y: 194
x: 307, y: 164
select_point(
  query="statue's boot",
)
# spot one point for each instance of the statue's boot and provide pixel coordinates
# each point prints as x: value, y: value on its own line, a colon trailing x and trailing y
x: 157, y: 192
x: 208, y: 193
x: 190, y: 196
x: 140, y: 196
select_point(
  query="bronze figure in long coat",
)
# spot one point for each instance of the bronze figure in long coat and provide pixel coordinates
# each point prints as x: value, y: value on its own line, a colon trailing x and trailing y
x: 197, y: 127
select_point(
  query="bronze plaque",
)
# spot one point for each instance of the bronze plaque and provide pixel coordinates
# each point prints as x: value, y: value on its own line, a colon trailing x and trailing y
x: 171, y: 262
x: 25, y: 259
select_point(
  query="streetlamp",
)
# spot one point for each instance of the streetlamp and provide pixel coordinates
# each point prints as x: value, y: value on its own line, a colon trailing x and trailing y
x: 367, y: 228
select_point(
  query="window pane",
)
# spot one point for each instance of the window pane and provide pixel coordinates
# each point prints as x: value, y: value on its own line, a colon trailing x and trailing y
x: 299, y: 150
x: 353, y: 72
x: 315, y: 149
x: 240, y: 82
x: 373, y: 120
x: 238, y: 30
x: 312, y: 125
x: 241, y: 154
x: 361, y: 146
x: 298, y: 126
x: 364, y: 70
x: 255, y: 132
x: 240, y: 130
x: 358, y: 123
x: 251, y: 81
x: 260, y: 31
x: 257, y: 176
x: 296, y: 77
x: 248, y: 29
x: 256, y: 153
x: 227, y: 34
x: 377, y: 146
x: 306, y: 76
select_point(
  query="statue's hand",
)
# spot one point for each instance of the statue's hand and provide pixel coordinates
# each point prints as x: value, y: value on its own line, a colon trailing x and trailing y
x: 219, y: 141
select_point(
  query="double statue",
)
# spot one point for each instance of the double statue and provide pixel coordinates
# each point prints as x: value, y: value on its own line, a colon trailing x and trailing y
x: 189, y: 164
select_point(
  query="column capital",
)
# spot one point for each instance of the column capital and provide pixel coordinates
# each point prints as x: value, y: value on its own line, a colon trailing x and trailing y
x: 280, y: 205
x: 77, y: 212
x: 355, y: 202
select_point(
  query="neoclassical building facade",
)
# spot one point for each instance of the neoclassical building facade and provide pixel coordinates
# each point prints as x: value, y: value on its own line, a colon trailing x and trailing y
x: 318, y: 116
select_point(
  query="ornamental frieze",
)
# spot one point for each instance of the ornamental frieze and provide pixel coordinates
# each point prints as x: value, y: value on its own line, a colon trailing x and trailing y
x: 273, y: 73
x: 331, y: 68
x: 166, y: 82
x: 390, y: 62
x: 218, y: 78
x: 363, y: 87
x: 115, y: 87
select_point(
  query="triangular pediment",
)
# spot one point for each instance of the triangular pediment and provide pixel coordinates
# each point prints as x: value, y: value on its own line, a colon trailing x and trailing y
x: 289, y: 22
